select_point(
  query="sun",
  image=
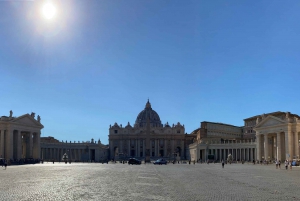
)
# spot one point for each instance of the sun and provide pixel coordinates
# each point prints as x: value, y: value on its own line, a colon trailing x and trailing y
x: 49, y: 11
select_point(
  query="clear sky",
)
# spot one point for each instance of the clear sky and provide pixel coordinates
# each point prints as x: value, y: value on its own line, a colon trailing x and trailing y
x: 97, y: 62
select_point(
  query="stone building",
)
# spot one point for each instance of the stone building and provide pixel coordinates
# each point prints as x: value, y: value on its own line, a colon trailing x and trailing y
x: 148, y: 138
x: 277, y: 136
x: 20, y: 136
x: 218, y: 140
x: 52, y: 149
x: 251, y: 122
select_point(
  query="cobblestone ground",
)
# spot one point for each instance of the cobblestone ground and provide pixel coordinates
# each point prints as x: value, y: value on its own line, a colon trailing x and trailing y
x: 90, y: 181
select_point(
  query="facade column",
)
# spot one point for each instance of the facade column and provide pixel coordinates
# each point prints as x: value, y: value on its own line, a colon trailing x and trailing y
x: 182, y: 150
x: 136, y: 148
x: 286, y: 142
x: 155, y: 148
x: 50, y: 154
x: 172, y: 147
x: 258, y: 147
x: 158, y: 148
x: 290, y: 144
x: 19, y: 145
x: 296, y: 144
x: 144, y: 148
x: 151, y: 150
x: 266, y: 146
x: 2, y: 143
x: 36, y: 146
x: 128, y: 150
x: 278, y: 142
x: 251, y: 154
x: 165, y: 148
x: 255, y: 154
x: 112, y: 154
x: 9, y: 144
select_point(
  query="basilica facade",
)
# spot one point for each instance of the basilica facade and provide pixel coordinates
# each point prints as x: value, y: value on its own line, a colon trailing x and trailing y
x: 148, y: 138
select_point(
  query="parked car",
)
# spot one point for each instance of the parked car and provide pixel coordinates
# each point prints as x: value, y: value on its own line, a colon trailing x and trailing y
x: 160, y: 162
x: 134, y: 161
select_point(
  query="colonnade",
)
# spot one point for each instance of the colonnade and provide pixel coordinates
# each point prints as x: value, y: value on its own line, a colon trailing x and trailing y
x: 56, y: 154
x: 279, y: 145
x: 246, y: 154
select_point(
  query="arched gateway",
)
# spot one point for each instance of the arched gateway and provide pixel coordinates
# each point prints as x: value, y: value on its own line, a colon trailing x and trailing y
x: 20, y: 136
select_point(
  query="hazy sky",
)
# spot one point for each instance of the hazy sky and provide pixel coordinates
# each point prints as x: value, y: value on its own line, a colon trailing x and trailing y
x: 97, y: 62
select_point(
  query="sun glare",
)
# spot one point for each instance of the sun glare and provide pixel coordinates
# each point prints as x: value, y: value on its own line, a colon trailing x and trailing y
x: 49, y: 11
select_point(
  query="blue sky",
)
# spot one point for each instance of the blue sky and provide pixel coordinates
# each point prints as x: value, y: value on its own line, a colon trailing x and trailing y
x: 97, y: 62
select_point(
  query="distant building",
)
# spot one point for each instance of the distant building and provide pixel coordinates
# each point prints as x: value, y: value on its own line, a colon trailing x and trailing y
x: 264, y: 137
x: 148, y: 137
x: 215, y: 141
x: 52, y: 149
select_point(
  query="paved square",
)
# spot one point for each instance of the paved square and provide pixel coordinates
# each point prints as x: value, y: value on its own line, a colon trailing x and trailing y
x: 93, y: 181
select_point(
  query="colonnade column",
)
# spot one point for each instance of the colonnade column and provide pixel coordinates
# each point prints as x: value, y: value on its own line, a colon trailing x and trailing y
x: 296, y: 145
x: 266, y: 147
x: 9, y: 144
x: 258, y: 147
x: 36, y: 146
x: 278, y: 142
x: 290, y: 144
x: 2, y: 143
x: 19, y: 145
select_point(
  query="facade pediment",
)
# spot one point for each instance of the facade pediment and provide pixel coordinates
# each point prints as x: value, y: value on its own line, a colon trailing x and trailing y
x: 27, y: 120
x: 270, y: 121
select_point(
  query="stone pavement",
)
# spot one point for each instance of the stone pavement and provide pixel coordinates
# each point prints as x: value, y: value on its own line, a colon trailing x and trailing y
x: 94, y: 181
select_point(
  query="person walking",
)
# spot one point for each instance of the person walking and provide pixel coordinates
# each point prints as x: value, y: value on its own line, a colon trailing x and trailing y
x: 222, y: 163
x: 276, y: 164
x: 279, y: 164
x: 5, y: 164
x: 286, y: 163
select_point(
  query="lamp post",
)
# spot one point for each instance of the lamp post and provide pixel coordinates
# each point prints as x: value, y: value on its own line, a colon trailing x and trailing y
x: 65, y: 158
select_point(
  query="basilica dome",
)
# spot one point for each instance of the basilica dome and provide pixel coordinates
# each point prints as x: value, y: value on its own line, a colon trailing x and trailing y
x: 150, y: 114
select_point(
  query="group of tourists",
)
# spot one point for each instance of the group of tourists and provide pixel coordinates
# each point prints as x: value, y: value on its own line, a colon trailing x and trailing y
x: 287, y: 164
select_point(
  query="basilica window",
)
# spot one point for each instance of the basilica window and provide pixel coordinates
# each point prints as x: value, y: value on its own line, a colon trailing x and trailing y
x: 116, y: 131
